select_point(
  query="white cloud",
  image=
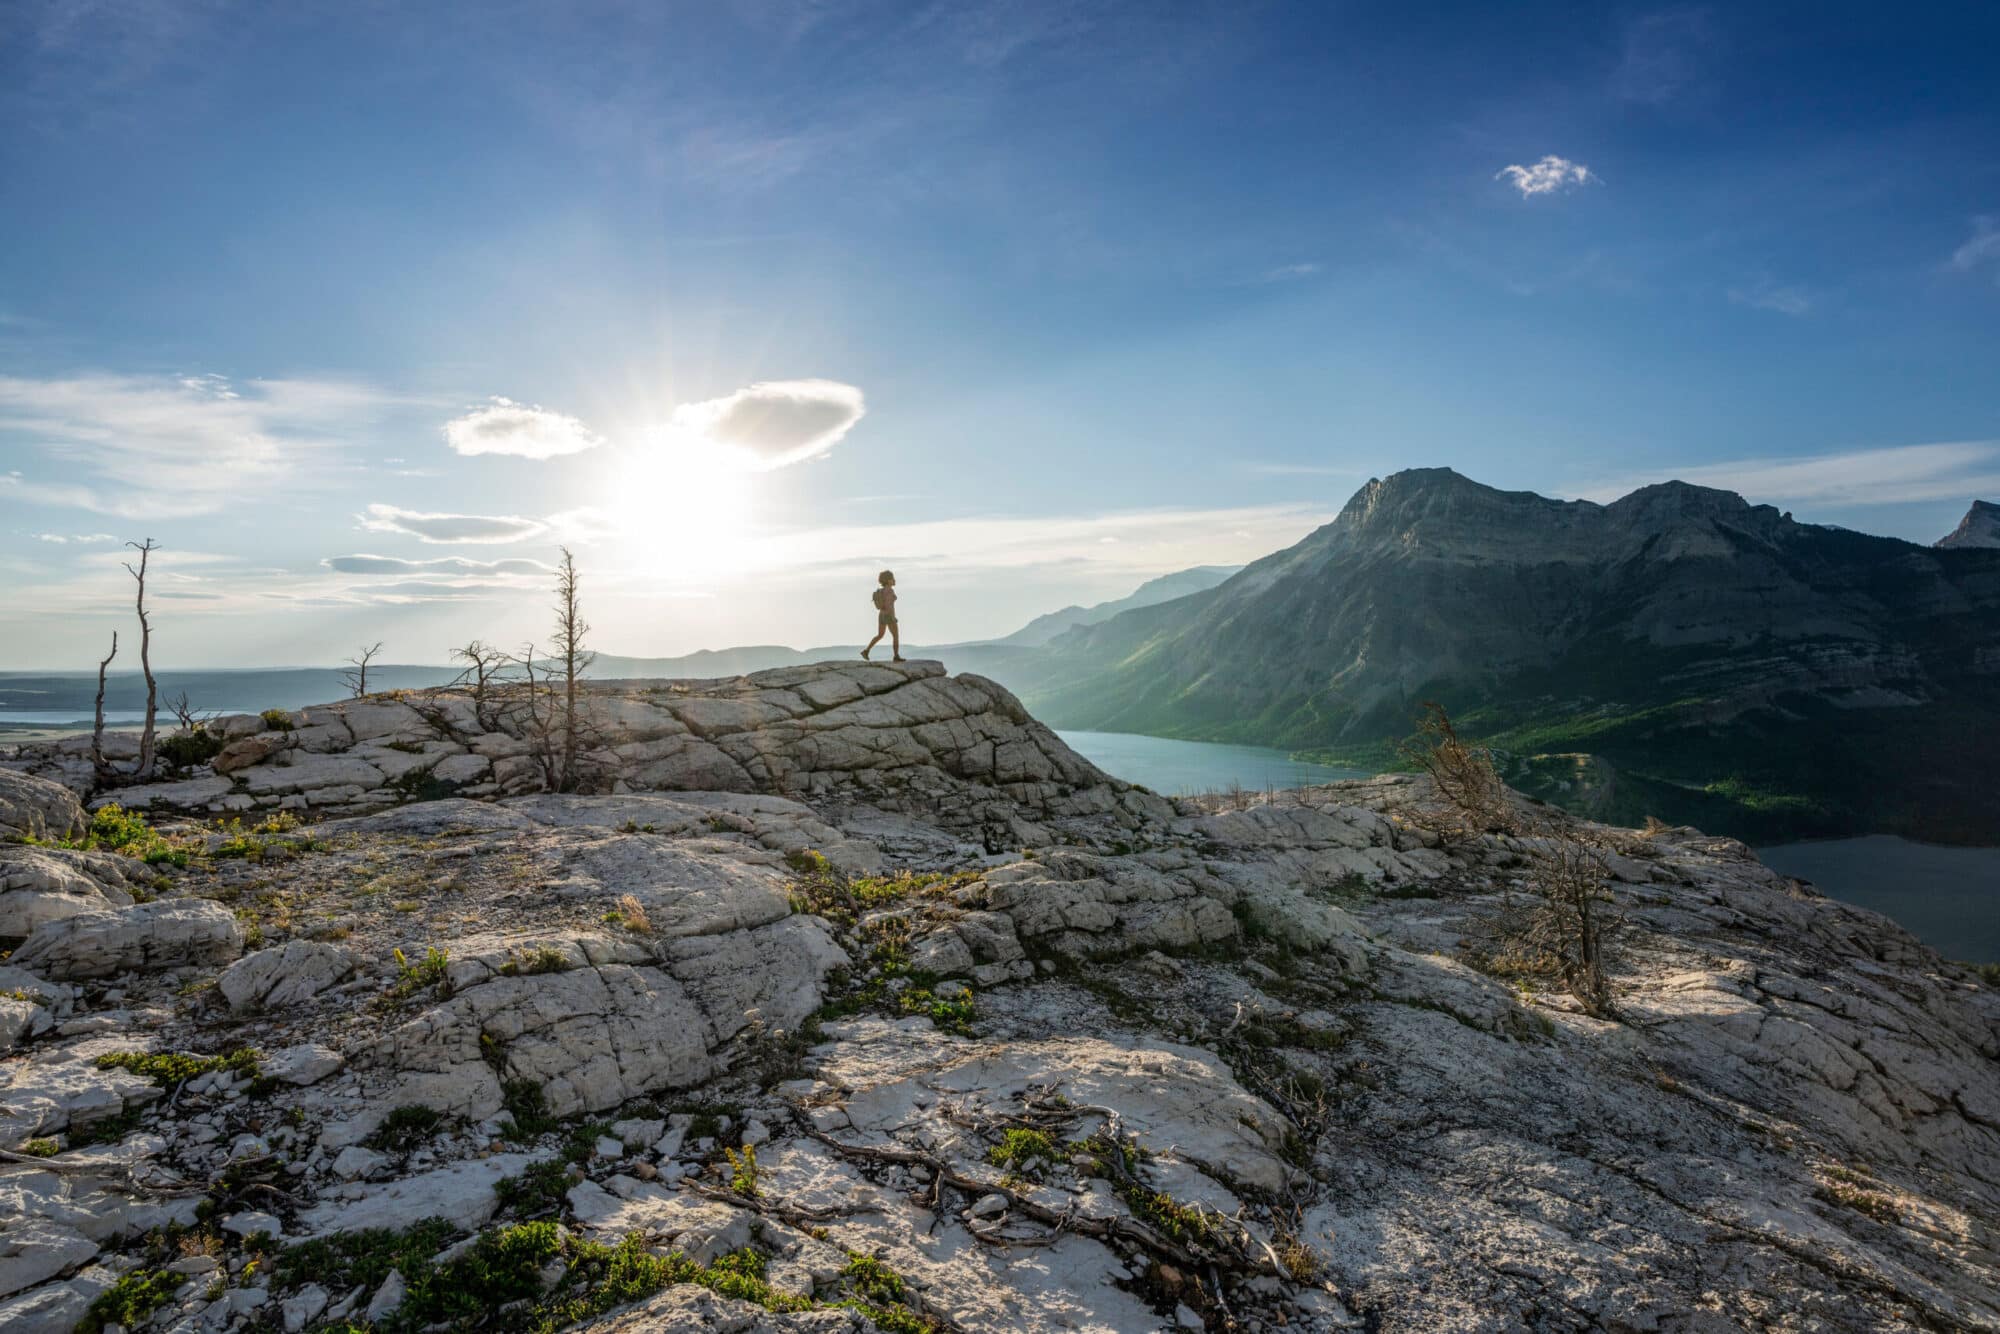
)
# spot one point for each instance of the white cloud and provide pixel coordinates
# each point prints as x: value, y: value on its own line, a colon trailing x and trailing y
x: 1983, y: 247
x: 1896, y: 475
x: 451, y: 528
x: 776, y: 422
x: 455, y: 565
x: 1290, y: 273
x: 140, y: 446
x: 1547, y: 176
x: 519, y: 429
x: 1789, y: 299
x: 82, y: 538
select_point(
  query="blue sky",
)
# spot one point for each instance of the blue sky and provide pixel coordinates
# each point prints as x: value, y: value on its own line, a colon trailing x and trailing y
x: 1029, y: 300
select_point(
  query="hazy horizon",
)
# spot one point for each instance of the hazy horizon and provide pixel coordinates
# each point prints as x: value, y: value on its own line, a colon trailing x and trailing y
x: 363, y: 314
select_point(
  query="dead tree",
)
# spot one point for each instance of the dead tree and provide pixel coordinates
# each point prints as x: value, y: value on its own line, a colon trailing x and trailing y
x: 97, y: 764
x: 483, y: 664
x: 145, y: 550
x: 355, y: 675
x: 575, y: 660
x: 533, y: 710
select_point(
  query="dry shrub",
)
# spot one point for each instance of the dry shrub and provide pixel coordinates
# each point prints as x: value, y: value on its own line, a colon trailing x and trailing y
x: 633, y: 914
x: 1564, y: 925
x: 1462, y: 773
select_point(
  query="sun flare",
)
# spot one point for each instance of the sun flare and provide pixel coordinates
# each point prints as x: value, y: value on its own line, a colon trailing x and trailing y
x: 682, y: 506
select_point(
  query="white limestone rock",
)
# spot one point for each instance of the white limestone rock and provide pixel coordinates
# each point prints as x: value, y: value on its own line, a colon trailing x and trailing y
x: 461, y: 1193
x: 286, y: 974
x: 37, y: 808
x: 165, y: 933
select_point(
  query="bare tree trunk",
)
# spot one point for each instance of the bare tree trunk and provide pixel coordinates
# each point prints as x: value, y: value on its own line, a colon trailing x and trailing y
x: 145, y: 550
x: 97, y: 764
x: 570, y: 631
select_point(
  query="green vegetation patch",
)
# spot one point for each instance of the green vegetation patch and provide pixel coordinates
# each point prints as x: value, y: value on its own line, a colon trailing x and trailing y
x: 168, y: 1068
x: 405, y: 1127
x: 131, y: 1300
x: 114, y: 829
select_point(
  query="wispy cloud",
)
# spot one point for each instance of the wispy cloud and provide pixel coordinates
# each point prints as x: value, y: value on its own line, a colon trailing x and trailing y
x: 1981, y: 249
x: 454, y: 565
x: 520, y: 429
x: 1303, y: 470
x: 1899, y: 474
x: 1785, y: 299
x: 776, y: 422
x: 1545, y: 177
x: 63, y: 539
x: 158, y: 446
x: 1665, y: 57
x: 1291, y: 273
x: 451, y: 528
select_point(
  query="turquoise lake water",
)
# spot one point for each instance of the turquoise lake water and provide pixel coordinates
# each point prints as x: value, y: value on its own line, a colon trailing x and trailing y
x: 1184, y: 768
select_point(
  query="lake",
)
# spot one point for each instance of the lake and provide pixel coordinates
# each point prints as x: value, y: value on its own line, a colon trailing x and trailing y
x: 1185, y: 768
x: 1949, y: 898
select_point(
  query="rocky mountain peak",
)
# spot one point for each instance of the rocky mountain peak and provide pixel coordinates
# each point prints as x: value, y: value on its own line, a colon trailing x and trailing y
x: 1979, y: 528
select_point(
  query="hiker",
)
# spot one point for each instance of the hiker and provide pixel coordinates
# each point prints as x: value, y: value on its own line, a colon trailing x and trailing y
x: 885, y: 616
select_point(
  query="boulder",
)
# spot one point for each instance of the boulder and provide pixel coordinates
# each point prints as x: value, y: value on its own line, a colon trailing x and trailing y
x: 32, y: 807
x: 47, y: 884
x: 167, y: 933
x: 296, y: 971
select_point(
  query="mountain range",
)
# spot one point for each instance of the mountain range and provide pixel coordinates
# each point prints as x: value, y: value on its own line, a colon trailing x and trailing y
x: 1678, y: 652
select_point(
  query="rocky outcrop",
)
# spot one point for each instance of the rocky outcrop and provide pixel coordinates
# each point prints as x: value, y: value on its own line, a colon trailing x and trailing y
x: 897, y: 737
x: 1258, y: 1062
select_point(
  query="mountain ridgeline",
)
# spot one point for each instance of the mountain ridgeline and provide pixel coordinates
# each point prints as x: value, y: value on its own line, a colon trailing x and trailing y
x: 1678, y: 653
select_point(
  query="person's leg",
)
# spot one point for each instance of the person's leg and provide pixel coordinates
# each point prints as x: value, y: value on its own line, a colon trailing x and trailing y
x: 896, y: 638
x: 879, y: 630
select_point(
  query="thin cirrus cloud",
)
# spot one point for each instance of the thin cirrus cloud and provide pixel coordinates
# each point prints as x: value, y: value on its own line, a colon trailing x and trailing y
x: 1784, y: 299
x: 1901, y: 474
x: 775, y: 423
x: 1546, y: 177
x: 442, y: 565
x: 522, y: 430
x: 160, y: 446
x: 443, y: 529
x: 1981, y: 248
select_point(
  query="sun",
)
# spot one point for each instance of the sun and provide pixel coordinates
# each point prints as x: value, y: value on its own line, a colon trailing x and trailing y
x: 682, y: 507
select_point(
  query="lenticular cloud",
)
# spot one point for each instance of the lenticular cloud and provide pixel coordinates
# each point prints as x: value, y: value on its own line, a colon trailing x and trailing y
x: 520, y: 429
x: 777, y: 422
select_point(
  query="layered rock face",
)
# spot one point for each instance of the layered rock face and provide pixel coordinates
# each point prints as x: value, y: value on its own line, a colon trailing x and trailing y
x: 1244, y: 1064
x: 899, y: 737
x: 1681, y: 633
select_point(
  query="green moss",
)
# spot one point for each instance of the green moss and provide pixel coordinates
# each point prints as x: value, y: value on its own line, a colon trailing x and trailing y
x: 41, y: 1148
x: 954, y: 1014
x: 1017, y: 1148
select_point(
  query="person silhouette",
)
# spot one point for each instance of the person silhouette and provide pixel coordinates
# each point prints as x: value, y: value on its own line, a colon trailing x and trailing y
x: 885, y: 616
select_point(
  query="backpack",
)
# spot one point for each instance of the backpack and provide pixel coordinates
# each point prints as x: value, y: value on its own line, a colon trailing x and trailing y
x: 881, y: 599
